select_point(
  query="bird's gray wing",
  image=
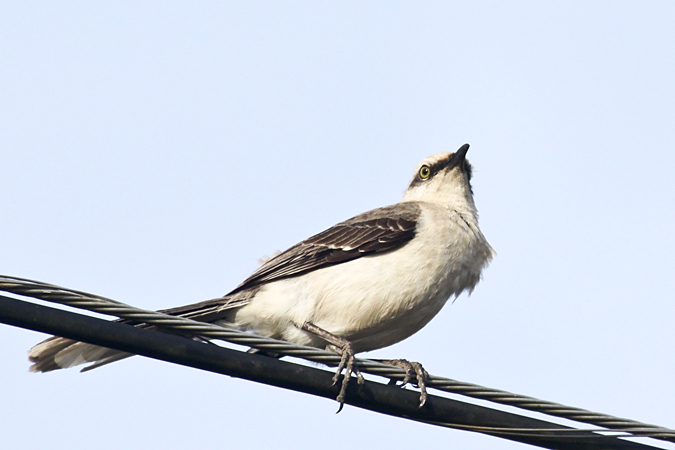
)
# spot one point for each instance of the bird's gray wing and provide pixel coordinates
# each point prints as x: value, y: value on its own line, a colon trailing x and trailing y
x: 376, y: 231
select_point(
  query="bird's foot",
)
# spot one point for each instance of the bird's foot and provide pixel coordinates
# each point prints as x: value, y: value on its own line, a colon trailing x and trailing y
x: 411, y: 368
x: 348, y: 364
x: 342, y: 347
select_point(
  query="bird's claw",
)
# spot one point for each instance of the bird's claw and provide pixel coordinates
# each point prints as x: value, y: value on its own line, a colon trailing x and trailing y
x: 348, y: 363
x: 421, y: 375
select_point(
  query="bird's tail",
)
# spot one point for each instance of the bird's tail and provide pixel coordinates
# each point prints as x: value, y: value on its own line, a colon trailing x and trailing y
x: 62, y: 353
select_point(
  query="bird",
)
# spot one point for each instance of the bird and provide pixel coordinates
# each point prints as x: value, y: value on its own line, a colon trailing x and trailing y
x: 363, y: 284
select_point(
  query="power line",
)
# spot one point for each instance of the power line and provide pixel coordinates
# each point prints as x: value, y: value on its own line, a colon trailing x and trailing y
x: 107, y: 306
x: 373, y: 396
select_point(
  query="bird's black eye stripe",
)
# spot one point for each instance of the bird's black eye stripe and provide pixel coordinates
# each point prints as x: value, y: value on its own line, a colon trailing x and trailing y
x: 427, y: 171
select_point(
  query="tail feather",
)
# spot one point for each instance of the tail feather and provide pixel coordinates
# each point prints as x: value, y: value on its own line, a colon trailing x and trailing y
x: 107, y: 360
x: 62, y: 353
x: 43, y: 354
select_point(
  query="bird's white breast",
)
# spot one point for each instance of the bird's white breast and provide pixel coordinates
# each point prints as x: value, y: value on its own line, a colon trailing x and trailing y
x: 376, y: 300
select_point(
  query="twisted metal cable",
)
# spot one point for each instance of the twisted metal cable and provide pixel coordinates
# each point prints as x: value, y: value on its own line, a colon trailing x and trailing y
x: 95, y: 303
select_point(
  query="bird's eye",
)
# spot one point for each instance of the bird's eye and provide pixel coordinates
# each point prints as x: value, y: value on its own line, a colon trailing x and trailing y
x: 425, y: 172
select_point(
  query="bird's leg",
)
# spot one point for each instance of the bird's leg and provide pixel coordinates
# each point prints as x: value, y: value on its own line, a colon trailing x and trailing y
x: 421, y: 375
x: 342, y: 347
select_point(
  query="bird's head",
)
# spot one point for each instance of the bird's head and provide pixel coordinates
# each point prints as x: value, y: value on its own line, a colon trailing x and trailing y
x: 444, y: 179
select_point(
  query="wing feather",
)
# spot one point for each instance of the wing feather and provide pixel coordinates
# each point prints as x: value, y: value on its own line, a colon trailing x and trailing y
x: 376, y: 231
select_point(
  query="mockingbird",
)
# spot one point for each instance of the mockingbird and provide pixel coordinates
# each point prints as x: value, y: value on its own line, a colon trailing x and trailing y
x: 363, y: 284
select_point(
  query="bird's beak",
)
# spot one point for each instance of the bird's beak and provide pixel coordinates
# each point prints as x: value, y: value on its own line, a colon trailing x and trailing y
x: 458, y: 158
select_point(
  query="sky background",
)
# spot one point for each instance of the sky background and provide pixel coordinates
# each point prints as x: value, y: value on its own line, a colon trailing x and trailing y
x: 152, y: 152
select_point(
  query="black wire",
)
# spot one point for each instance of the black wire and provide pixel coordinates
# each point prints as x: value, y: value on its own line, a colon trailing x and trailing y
x: 372, y: 396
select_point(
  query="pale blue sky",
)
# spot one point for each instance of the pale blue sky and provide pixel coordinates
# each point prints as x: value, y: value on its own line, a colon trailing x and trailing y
x: 153, y: 151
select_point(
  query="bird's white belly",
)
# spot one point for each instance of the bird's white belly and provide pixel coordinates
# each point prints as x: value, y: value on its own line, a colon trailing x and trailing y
x: 373, y: 301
